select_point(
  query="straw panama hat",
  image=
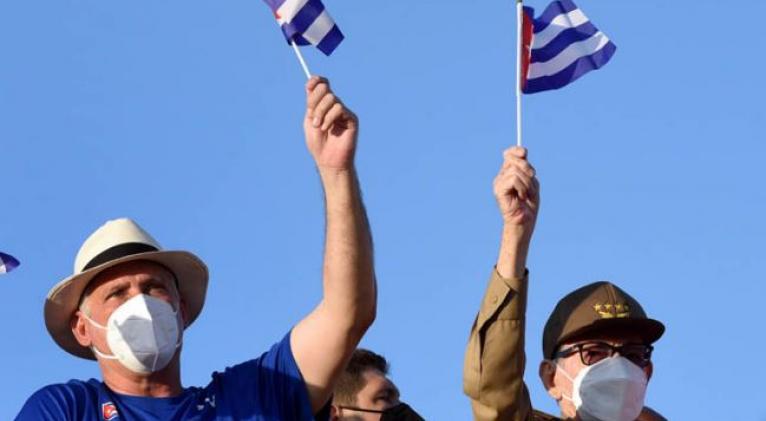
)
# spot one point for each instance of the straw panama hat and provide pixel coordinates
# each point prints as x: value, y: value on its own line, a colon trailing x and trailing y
x: 119, y: 241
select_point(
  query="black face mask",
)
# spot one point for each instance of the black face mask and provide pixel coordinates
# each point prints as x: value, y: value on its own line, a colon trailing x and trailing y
x: 401, y: 412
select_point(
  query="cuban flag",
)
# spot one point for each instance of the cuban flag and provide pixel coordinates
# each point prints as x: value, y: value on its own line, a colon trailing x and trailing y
x: 306, y: 22
x: 7, y: 263
x: 560, y: 46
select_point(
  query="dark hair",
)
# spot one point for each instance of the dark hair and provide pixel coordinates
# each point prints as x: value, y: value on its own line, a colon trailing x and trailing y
x: 351, y: 380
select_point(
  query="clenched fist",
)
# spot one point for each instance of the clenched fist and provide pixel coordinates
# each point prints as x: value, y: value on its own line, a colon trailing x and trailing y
x: 517, y: 191
x: 331, y: 128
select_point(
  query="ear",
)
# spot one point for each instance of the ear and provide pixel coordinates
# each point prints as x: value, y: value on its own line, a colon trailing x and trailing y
x: 79, y: 329
x: 649, y: 370
x: 334, y: 413
x: 547, y: 375
x: 184, y: 312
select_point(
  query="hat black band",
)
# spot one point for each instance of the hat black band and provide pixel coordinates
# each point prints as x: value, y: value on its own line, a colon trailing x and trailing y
x: 117, y: 252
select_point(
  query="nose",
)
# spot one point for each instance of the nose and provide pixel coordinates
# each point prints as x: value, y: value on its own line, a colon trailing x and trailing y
x: 133, y: 291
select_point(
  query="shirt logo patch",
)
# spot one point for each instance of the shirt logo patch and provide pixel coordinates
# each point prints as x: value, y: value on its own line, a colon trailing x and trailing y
x: 109, y: 411
x: 210, y: 400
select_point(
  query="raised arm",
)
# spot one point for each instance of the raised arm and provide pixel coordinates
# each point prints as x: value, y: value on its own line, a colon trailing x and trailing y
x: 493, y: 371
x: 323, y: 342
x: 518, y: 197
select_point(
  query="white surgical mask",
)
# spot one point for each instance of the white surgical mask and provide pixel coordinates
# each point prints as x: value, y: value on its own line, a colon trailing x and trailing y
x: 613, y: 389
x: 143, y: 334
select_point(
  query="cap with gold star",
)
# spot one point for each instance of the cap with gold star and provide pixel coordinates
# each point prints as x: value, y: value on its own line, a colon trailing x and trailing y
x: 599, y: 308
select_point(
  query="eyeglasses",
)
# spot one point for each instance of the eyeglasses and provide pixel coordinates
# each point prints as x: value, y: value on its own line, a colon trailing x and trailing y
x: 593, y: 352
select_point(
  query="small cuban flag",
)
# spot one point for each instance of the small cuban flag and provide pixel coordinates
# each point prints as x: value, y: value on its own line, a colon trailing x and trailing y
x: 559, y: 47
x: 7, y: 263
x: 306, y: 22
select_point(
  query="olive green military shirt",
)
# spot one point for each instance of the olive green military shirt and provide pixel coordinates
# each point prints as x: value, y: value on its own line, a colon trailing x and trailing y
x: 493, y: 371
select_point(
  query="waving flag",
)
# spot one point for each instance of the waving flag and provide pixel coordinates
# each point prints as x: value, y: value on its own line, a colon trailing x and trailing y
x: 560, y: 46
x: 306, y: 22
x: 7, y: 263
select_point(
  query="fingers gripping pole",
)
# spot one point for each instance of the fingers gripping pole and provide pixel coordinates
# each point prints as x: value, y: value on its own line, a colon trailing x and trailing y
x: 519, y: 49
x: 300, y: 59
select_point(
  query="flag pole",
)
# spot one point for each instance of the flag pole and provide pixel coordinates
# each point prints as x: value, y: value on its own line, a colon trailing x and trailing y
x: 519, y: 47
x: 301, y: 59
x: 298, y: 54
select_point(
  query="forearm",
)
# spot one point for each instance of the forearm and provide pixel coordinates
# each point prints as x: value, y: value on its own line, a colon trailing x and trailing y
x: 512, y: 257
x: 348, y: 275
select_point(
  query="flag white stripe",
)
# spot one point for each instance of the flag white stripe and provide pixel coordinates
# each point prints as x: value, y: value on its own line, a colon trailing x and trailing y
x: 289, y: 9
x: 559, y: 24
x: 568, y: 56
x: 321, y: 26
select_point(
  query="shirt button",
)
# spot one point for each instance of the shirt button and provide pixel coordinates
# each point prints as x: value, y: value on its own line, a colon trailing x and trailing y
x: 494, y: 299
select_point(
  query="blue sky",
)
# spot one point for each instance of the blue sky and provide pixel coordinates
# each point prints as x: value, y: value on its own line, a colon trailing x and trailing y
x: 185, y: 115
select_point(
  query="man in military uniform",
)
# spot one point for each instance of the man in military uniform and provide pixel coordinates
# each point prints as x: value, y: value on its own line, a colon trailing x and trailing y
x: 597, y: 343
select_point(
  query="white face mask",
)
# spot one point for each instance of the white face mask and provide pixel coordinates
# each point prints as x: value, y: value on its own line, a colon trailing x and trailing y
x: 613, y: 389
x: 143, y: 334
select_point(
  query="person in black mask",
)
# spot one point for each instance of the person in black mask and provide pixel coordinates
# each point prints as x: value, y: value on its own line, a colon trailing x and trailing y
x: 365, y: 393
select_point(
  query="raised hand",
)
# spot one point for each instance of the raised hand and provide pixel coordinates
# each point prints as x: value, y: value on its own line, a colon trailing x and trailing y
x: 331, y: 128
x: 517, y: 190
x: 518, y: 196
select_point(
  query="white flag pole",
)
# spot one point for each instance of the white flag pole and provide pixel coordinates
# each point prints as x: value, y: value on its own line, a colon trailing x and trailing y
x: 298, y: 54
x: 300, y: 59
x: 519, y: 48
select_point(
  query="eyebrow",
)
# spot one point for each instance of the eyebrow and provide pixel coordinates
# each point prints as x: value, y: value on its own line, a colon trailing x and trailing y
x: 126, y: 284
x: 114, y: 288
x: 389, y: 390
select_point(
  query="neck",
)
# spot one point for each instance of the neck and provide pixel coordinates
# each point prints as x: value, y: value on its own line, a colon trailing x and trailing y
x: 165, y: 383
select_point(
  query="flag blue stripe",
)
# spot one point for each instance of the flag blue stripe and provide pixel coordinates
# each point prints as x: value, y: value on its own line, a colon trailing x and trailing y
x: 562, y: 41
x: 554, y: 9
x: 331, y: 40
x: 572, y: 72
x: 295, y: 37
x: 306, y: 16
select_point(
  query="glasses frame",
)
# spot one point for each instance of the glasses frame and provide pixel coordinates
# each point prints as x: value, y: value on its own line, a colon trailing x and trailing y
x: 369, y: 411
x: 613, y: 349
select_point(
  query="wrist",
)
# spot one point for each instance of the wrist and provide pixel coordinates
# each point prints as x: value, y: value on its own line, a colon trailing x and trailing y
x: 331, y: 175
x: 514, y: 247
x: 341, y: 188
x: 516, y: 234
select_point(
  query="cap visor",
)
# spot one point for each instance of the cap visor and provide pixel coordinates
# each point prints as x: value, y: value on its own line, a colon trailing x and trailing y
x: 649, y: 330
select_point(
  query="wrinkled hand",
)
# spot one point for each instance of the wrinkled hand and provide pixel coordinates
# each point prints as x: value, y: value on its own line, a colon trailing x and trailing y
x: 517, y: 191
x: 331, y: 128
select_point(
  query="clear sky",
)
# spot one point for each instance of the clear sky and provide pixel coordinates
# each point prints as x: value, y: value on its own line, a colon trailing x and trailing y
x: 186, y: 115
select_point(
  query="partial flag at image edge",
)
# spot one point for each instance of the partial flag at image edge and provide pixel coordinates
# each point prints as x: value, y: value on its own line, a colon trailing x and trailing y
x: 7, y: 263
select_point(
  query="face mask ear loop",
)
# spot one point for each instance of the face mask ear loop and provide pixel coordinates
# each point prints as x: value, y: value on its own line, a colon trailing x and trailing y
x: 181, y: 328
x: 93, y: 347
x: 566, y: 375
x: 101, y: 354
x: 93, y: 322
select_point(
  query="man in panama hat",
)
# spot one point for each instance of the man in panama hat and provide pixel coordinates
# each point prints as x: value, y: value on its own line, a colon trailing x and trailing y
x: 129, y: 300
x: 597, y: 343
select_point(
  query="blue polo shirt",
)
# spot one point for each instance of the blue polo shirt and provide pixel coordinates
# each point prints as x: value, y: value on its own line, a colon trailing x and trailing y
x: 267, y: 388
